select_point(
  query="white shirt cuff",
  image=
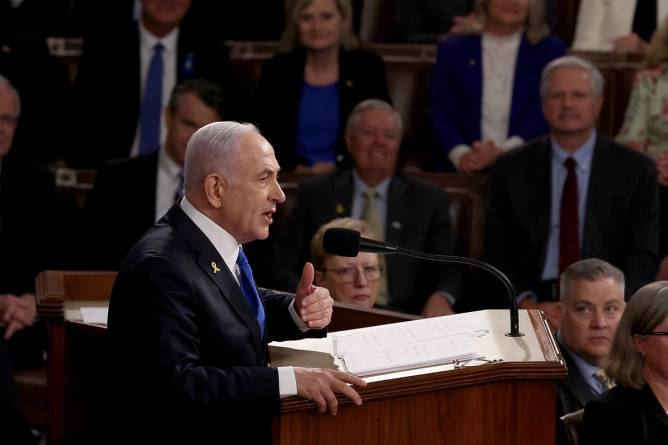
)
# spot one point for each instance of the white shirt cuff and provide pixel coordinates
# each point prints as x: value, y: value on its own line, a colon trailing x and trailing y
x: 295, y: 317
x: 511, y: 142
x: 456, y: 154
x: 287, y: 383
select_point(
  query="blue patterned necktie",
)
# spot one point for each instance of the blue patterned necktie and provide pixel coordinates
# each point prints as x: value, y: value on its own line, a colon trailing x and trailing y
x: 151, y: 106
x: 249, y: 290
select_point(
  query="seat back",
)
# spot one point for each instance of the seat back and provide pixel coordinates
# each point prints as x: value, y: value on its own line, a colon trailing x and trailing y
x: 572, y: 424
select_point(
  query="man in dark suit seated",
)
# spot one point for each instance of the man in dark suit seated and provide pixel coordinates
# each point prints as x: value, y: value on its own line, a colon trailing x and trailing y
x: 592, y: 302
x: 398, y: 209
x: 571, y: 194
x: 125, y: 77
x: 188, y: 329
x: 32, y: 238
x: 146, y: 187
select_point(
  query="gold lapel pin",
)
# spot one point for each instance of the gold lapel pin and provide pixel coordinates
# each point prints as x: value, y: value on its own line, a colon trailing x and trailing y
x: 215, y: 267
x: 340, y: 209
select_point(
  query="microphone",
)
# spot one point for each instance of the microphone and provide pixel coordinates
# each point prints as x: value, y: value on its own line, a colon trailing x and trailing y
x: 348, y: 242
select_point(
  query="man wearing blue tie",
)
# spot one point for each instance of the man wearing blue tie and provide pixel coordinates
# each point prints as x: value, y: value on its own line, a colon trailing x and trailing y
x: 188, y: 328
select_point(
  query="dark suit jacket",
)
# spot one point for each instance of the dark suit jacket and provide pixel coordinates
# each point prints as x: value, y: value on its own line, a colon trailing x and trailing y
x: 417, y: 218
x: 190, y: 360
x: 457, y: 85
x: 107, y: 94
x: 625, y: 416
x: 573, y: 392
x: 278, y: 95
x: 122, y: 187
x: 621, y: 216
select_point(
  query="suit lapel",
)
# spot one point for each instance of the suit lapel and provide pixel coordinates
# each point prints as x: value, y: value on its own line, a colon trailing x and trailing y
x: 342, y: 193
x: 541, y: 197
x: 575, y: 382
x: 212, y: 265
x: 399, y: 210
x: 600, y: 191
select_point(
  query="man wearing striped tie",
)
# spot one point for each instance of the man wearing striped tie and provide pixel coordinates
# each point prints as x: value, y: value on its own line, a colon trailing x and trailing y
x: 591, y: 303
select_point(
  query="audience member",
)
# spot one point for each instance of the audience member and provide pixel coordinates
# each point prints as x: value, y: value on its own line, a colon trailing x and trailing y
x: 646, y: 123
x: 570, y: 195
x: 28, y: 237
x: 187, y: 326
x: 305, y: 95
x: 635, y: 411
x: 398, y: 209
x: 42, y: 82
x: 146, y: 186
x: 353, y: 280
x: 485, y: 87
x: 591, y: 301
x: 617, y: 25
x: 125, y: 78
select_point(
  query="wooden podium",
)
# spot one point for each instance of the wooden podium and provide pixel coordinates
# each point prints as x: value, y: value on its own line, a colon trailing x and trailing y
x: 512, y: 402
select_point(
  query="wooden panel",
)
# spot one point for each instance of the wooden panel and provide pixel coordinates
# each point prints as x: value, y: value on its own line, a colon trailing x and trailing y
x: 499, y: 413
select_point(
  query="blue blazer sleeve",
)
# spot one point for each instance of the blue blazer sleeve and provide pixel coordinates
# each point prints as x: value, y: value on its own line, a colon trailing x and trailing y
x: 456, y: 87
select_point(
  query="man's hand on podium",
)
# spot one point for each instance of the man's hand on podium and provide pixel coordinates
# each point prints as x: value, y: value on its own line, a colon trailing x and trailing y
x: 320, y: 386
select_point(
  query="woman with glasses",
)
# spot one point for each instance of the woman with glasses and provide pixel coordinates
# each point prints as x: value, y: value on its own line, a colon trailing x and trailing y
x: 635, y: 411
x: 354, y: 280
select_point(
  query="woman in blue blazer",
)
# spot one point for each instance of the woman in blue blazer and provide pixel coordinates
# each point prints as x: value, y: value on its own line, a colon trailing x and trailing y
x: 474, y: 121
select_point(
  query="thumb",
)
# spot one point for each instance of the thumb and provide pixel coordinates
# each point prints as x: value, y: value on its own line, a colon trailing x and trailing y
x: 306, y: 283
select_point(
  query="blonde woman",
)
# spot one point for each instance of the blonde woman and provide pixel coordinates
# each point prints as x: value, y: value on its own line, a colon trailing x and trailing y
x: 304, y: 95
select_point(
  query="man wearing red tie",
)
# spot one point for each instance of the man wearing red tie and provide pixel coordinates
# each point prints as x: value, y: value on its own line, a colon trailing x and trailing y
x: 571, y: 194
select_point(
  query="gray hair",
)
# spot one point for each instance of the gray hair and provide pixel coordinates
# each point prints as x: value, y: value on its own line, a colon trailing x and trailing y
x: 215, y: 148
x: 595, y: 76
x: 372, y: 104
x: 591, y: 269
x: 646, y: 309
x: 6, y: 83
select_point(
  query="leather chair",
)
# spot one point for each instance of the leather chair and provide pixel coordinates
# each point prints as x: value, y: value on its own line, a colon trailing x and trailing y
x: 572, y: 423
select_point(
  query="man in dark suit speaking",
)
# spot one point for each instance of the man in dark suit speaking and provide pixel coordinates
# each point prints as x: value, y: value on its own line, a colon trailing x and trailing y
x: 188, y: 329
x: 570, y: 195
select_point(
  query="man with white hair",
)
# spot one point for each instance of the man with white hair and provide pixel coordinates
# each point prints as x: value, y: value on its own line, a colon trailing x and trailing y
x: 570, y: 195
x: 188, y: 328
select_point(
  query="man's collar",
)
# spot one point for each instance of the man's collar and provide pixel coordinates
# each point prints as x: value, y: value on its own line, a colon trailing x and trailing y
x: 360, y: 186
x: 167, y: 164
x: 583, y: 155
x: 148, y: 40
x: 223, y: 241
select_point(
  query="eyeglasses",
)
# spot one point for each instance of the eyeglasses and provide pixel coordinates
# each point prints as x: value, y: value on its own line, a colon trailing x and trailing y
x: 657, y: 333
x: 348, y: 274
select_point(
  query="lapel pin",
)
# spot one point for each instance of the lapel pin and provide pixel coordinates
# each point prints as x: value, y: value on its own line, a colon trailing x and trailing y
x: 396, y: 225
x: 349, y: 83
x: 215, y: 267
x: 472, y: 62
x: 340, y: 210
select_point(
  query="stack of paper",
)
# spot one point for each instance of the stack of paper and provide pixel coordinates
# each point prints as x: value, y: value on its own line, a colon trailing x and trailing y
x: 402, y: 346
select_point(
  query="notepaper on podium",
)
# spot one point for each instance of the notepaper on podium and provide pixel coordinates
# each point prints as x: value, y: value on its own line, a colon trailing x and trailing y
x: 407, y: 345
x: 479, y: 335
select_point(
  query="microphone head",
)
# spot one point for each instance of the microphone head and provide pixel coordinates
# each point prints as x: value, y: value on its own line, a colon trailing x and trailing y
x: 341, y: 242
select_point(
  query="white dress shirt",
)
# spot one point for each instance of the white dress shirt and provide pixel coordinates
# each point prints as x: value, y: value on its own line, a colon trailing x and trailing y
x: 499, y: 58
x: 167, y: 183
x: 147, y: 42
x: 228, y: 249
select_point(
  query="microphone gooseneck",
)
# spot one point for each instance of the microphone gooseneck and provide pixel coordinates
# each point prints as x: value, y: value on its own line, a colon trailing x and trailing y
x: 348, y: 242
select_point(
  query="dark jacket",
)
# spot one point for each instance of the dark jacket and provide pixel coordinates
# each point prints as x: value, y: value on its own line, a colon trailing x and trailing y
x: 278, y: 95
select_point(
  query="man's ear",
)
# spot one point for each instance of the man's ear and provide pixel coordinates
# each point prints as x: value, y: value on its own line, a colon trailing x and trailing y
x: 214, y: 186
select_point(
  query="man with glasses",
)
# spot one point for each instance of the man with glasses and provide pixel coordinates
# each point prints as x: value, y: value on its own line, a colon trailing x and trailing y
x: 591, y: 302
x: 399, y: 209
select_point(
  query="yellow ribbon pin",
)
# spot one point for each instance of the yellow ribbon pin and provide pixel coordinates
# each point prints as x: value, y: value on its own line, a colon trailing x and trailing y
x: 215, y: 267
